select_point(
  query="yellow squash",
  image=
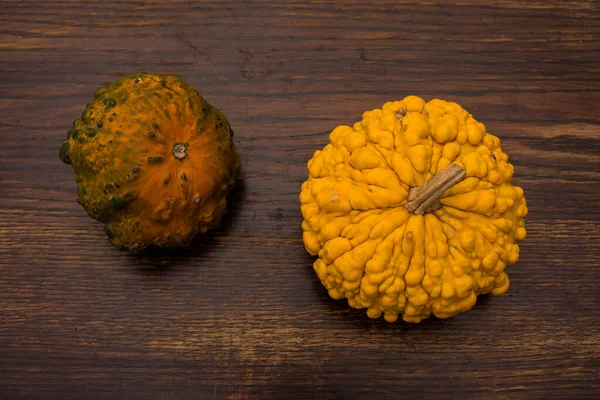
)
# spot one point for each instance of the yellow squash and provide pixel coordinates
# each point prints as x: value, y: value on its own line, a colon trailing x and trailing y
x: 411, y: 211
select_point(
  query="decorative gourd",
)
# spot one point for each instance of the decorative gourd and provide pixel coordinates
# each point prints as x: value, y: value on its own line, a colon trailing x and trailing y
x: 411, y: 211
x: 153, y: 161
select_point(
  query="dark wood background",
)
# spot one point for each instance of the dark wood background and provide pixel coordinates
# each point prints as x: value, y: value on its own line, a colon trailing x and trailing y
x: 240, y: 313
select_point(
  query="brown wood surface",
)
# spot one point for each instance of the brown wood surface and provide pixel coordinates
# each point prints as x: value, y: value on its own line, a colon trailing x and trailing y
x: 240, y: 313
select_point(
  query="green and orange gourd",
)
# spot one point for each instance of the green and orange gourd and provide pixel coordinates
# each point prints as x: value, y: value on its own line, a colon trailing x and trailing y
x: 153, y: 161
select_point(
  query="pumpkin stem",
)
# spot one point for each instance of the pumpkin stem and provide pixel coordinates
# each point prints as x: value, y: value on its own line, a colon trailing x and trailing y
x: 425, y: 198
x: 180, y: 151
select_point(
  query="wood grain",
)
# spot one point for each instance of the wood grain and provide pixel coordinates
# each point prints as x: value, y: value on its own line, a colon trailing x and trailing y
x: 240, y: 314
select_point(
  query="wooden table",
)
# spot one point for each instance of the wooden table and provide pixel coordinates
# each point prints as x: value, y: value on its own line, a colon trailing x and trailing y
x: 240, y: 313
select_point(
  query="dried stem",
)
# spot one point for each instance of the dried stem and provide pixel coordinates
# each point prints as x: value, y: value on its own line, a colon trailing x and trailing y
x: 426, y: 198
x: 180, y: 151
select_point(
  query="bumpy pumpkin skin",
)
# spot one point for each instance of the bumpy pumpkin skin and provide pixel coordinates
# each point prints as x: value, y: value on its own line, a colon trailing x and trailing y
x: 381, y: 257
x: 153, y: 161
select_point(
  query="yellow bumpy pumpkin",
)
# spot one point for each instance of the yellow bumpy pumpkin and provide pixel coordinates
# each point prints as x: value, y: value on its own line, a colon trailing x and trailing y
x: 154, y: 161
x: 411, y: 211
